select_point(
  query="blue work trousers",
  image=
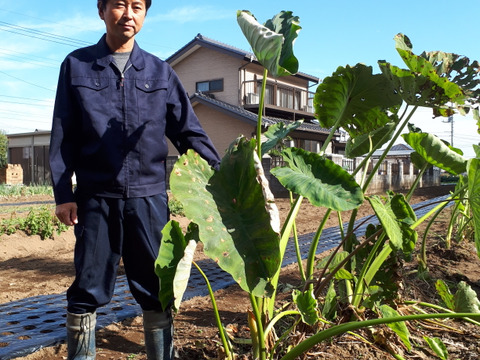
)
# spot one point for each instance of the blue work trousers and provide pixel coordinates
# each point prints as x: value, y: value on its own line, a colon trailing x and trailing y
x: 109, y: 229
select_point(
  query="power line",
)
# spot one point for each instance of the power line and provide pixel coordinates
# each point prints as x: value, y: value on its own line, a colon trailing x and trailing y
x: 23, y: 98
x: 28, y: 60
x: 43, y: 19
x: 27, y: 82
x: 42, y: 35
x: 28, y: 56
x: 26, y: 120
x: 23, y: 103
x: 23, y: 115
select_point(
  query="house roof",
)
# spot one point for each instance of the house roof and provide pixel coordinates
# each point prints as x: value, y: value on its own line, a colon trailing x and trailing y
x: 398, y: 150
x: 245, y: 115
x: 202, y: 41
x: 31, y: 133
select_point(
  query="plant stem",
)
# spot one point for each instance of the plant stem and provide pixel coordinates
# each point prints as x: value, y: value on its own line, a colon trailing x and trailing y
x: 350, y: 326
x: 440, y: 308
x: 260, y: 114
x: 262, y: 351
x: 272, y: 322
x: 370, y: 268
x: 416, y: 182
x: 223, y: 337
x: 285, y: 235
x: 387, y: 149
x: 297, y: 245
x: 314, y: 245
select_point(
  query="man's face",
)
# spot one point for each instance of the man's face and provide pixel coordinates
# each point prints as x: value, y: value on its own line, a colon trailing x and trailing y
x: 123, y: 19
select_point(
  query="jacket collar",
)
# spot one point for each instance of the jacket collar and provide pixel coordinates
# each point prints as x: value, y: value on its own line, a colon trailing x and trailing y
x: 104, y: 55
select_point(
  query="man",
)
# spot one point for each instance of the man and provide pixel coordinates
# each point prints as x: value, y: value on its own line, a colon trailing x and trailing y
x: 114, y: 108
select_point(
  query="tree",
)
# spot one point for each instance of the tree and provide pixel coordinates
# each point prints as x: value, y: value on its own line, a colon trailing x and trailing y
x: 3, y: 149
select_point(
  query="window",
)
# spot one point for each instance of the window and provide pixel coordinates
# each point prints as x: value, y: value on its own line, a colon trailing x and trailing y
x: 210, y: 86
x: 308, y: 145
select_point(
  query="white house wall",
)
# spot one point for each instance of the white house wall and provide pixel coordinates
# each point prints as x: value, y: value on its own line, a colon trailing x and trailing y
x: 29, y: 139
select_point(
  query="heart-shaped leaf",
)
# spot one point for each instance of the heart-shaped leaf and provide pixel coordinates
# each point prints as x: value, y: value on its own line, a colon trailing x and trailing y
x: 318, y: 179
x: 233, y: 207
x: 436, y: 152
x: 355, y: 99
x: 276, y: 133
x: 272, y: 43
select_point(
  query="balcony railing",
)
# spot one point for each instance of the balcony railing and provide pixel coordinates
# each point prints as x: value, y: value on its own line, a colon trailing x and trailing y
x: 278, y: 96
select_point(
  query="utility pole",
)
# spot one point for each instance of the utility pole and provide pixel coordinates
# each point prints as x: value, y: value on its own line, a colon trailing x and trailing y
x: 450, y: 120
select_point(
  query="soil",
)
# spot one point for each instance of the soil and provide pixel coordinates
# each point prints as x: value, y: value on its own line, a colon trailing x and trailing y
x: 30, y: 266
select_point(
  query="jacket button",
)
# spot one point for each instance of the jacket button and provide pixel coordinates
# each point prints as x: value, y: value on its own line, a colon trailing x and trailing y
x: 97, y: 83
x: 147, y: 86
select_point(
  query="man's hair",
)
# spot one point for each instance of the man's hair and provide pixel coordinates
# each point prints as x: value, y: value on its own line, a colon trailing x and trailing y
x: 103, y: 3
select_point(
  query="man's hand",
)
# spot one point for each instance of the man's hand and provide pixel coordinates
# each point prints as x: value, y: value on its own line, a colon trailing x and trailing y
x: 67, y: 213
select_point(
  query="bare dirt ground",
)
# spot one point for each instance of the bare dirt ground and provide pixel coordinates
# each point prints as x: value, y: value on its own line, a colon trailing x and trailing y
x: 30, y: 266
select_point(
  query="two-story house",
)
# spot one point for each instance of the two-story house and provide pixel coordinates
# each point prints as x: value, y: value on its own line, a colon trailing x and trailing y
x: 224, y: 84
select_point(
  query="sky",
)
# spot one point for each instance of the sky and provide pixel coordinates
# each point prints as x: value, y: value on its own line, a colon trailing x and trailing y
x: 35, y: 37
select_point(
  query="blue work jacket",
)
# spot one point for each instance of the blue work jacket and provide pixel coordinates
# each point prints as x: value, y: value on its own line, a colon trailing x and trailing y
x: 110, y: 129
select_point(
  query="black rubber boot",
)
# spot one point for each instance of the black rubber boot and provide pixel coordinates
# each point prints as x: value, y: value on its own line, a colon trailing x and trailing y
x: 158, y: 327
x: 81, y: 336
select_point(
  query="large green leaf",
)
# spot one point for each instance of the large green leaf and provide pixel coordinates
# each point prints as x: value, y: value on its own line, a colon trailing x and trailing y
x: 238, y: 224
x: 171, y: 264
x: 355, y: 99
x: 396, y: 216
x: 421, y: 84
x: 436, y: 152
x: 416, y: 90
x: 272, y: 43
x: 277, y: 133
x: 374, y: 140
x: 418, y: 160
x: 473, y: 169
x: 318, y: 179
x: 458, y: 69
x: 288, y: 25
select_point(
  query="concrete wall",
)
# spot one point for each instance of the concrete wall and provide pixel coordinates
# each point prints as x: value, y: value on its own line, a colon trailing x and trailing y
x: 393, y: 174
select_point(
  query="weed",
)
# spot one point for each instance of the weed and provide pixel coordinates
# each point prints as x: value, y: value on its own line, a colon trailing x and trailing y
x: 39, y: 221
x: 22, y: 190
x: 175, y: 206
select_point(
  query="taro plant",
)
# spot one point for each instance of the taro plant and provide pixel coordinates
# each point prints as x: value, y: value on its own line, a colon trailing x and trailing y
x: 233, y: 212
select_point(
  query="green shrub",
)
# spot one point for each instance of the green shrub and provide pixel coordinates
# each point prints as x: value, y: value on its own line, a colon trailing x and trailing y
x: 448, y: 179
x: 40, y: 221
x: 22, y: 190
x: 175, y: 206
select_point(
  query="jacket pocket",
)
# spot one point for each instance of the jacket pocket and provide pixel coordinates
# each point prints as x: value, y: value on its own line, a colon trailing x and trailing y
x: 151, y: 97
x: 90, y: 83
x: 150, y: 86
